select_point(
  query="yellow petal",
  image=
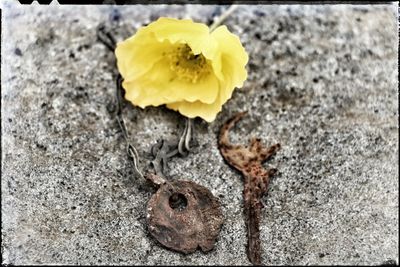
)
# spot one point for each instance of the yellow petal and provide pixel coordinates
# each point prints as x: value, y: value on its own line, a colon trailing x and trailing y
x: 216, y: 64
x: 205, y: 90
x: 233, y: 60
x: 182, y: 31
x: 233, y: 77
x: 150, y: 89
x: 137, y: 55
x: 195, y: 35
x: 207, y: 112
x: 230, y: 45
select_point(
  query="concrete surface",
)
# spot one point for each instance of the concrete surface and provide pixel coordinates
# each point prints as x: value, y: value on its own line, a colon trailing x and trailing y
x: 322, y: 81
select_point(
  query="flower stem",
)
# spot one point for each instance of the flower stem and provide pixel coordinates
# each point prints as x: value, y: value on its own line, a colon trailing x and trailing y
x: 219, y: 20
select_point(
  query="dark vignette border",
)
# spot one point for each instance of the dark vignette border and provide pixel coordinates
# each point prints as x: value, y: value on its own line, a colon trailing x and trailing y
x: 204, y: 2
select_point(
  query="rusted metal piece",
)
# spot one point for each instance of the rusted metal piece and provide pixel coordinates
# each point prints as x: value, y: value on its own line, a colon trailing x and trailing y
x: 248, y: 160
x: 183, y: 216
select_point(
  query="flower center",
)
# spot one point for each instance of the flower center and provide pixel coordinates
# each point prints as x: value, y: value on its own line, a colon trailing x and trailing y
x: 186, y: 65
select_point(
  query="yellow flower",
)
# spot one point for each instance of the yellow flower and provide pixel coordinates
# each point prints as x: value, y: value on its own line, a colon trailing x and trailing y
x: 181, y: 64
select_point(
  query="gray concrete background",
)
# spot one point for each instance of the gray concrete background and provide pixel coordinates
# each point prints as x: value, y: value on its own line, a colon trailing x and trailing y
x: 322, y: 81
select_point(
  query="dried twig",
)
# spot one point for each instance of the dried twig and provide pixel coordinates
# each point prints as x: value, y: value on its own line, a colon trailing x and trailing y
x: 248, y: 160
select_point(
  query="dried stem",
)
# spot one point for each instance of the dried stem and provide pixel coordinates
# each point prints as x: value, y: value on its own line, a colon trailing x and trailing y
x: 226, y: 14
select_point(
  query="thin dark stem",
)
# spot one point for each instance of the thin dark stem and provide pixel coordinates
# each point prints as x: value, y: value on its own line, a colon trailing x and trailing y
x: 106, y: 38
x: 184, y: 140
x: 131, y: 149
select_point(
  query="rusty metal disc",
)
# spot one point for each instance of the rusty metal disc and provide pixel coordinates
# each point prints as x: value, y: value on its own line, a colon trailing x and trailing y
x: 183, y: 216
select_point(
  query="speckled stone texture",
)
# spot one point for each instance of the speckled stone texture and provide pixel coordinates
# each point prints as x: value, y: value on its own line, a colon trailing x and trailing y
x: 322, y: 82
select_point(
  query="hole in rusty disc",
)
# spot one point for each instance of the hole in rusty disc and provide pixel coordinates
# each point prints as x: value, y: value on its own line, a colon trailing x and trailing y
x: 184, y: 216
x: 177, y: 201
